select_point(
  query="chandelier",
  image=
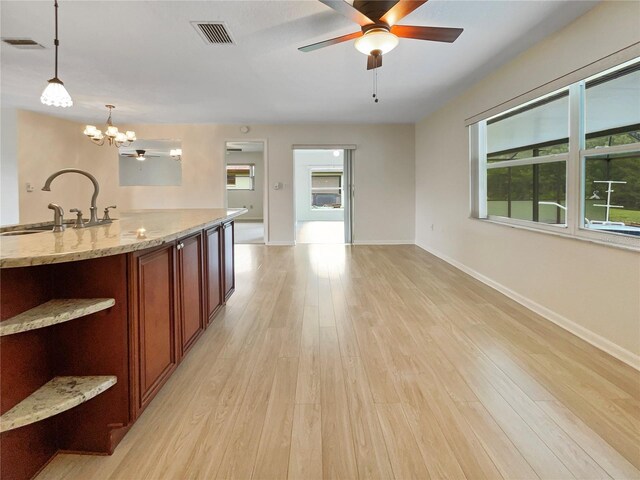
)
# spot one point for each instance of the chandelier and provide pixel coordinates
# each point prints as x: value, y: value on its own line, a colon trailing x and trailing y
x: 55, y: 95
x: 111, y: 135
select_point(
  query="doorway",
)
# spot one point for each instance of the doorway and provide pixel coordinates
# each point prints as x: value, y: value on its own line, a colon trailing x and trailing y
x: 322, y: 195
x: 246, y: 173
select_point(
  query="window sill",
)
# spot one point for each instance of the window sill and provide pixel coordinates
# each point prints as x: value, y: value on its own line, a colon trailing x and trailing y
x: 631, y: 244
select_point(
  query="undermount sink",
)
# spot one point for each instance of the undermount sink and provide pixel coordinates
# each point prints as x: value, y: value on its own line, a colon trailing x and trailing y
x: 20, y: 232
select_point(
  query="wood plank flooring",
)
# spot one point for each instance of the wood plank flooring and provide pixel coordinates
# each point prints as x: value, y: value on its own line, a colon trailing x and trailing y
x: 345, y: 362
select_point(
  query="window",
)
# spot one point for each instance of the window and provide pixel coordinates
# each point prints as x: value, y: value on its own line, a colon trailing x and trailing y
x: 527, y: 153
x: 578, y: 173
x: 326, y: 189
x: 610, y: 200
x: 241, y: 177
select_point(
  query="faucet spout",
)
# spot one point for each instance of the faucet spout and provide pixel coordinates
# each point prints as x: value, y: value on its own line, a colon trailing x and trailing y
x: 96, y: 188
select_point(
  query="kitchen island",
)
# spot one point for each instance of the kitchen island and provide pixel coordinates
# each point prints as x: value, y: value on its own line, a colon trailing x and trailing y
x: 95, y: 321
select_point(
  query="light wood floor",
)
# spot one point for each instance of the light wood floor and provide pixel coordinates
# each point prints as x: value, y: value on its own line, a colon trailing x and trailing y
x: 320, y: 232
x: 378, y: 362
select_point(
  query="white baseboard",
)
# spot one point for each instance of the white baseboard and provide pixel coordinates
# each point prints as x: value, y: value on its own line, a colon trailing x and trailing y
x: 585, y: 334
x: 383, y: 242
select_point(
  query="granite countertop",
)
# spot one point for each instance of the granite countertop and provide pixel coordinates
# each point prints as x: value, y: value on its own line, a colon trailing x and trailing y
x: 134, y: 230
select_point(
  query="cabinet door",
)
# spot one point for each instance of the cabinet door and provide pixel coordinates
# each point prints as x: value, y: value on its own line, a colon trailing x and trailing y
x: 190, y: 290
x: 229, y: 272
x: 213, y: 271
x: 155, y: 346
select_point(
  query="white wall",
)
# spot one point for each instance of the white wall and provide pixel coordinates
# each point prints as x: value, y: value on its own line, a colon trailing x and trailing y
x: 304, y: 161
x: 249, y: 199
x: 9, y: 207
x: 592, y: 289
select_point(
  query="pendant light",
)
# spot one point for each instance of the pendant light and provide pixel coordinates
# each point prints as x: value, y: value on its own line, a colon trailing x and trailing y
x: 55, y: 95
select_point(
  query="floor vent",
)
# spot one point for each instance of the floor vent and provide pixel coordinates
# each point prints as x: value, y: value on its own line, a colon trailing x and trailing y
x: 214, y: 33
x: 25, y: 43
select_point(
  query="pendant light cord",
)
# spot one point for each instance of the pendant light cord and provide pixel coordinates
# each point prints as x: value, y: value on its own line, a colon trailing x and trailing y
x: 55, y: 41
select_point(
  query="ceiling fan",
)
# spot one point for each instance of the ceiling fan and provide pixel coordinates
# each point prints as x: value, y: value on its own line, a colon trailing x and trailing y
x: 139, y: 155
x: 379, y: 32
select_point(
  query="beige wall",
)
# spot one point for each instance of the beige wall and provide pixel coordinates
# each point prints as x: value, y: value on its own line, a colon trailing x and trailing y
x: 47, y: 144
x: 592, y: 289
x: 384, y: 167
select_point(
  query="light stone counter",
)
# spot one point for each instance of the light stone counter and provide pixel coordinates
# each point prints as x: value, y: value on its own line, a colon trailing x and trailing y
x: 132, y: 231
x: 54, y: 397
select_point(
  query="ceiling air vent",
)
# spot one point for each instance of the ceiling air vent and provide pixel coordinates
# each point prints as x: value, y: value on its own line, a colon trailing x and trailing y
x: 25, y: 43
x: 214, y: 33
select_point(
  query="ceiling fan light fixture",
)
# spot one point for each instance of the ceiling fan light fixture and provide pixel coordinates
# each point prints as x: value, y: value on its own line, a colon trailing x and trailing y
x: 376, y: 39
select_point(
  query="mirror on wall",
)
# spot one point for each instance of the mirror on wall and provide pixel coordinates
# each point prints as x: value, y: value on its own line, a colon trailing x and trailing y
x: 151, y: 162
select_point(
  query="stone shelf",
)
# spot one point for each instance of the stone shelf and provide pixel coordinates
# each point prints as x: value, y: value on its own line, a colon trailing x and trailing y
x: 54, y: 312
x: 54, y: 397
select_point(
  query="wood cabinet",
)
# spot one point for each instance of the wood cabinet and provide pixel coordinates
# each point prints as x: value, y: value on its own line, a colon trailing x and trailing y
x: 213, y: 263
x: 176, y: 290
x: 163, y: 297
x: 229, y: 269
x: 154, y: 328
x: 190, y: 290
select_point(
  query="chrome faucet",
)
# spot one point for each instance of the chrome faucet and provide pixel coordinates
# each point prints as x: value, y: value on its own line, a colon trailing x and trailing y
x: 94, y: 197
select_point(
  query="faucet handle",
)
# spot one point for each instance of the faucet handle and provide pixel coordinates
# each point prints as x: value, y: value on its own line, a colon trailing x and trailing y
x: 106, y: 216
x: 79, y: 219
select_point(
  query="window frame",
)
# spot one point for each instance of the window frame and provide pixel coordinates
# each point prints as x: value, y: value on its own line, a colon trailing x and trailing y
x: 252, y: 176
x: 340, y: 188
x: 574, y: 159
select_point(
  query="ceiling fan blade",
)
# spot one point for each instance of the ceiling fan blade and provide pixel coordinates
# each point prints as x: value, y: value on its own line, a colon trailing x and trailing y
x: 327, y: 43
x: 435, y: 34
x: 401, y: 10
x: 348, y: 11
x: 374, y: 61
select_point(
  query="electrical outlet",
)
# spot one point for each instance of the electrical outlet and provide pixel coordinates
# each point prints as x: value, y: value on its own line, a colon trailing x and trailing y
x: 30, y: 187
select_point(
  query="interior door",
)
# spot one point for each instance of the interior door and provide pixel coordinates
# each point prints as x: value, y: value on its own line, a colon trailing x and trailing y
x: 348, y: 195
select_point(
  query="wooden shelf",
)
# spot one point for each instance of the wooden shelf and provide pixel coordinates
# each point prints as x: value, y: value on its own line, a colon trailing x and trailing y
x: 54, y: 397
x: 53, y: 312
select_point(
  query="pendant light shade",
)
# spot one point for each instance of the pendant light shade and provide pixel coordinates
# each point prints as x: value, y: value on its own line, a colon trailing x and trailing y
x: 55, y: 95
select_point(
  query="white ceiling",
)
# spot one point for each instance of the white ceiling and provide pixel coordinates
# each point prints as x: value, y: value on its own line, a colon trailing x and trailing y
x: 147, y: 59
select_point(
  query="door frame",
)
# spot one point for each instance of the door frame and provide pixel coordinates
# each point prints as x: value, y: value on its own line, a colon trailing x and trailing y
x: 351, y: 188
x: 265, y: 193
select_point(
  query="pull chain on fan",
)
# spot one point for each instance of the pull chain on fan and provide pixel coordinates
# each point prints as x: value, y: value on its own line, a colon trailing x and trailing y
x: 375, y: 85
